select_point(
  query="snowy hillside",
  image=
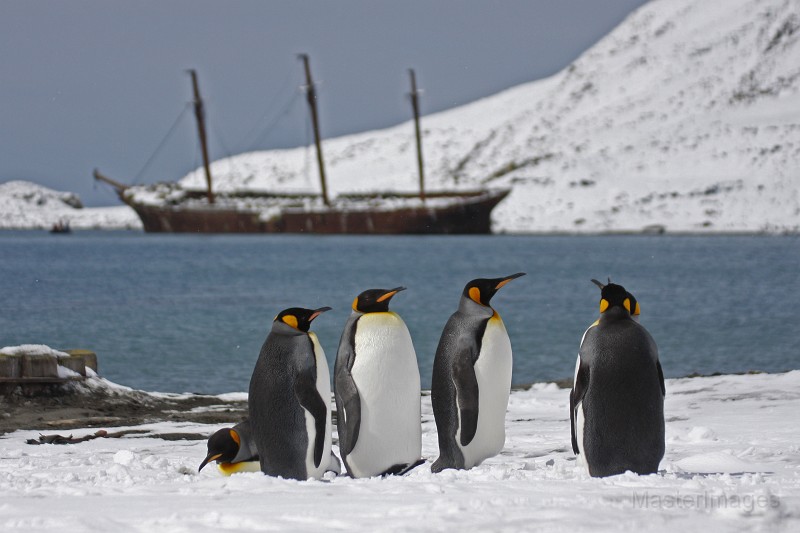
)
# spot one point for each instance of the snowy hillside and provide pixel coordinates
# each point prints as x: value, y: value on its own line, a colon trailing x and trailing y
x: 687, y: 116
x: 25, y: 205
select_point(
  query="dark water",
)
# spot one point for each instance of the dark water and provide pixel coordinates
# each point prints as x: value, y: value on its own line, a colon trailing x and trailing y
x: 189, y: 313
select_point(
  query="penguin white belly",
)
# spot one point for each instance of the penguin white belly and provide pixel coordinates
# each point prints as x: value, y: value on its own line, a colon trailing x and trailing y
x: 579, y: 421
x: 386, y: 375
x: 324, y: 389
x: 493, y: 373
x: 579, y: 416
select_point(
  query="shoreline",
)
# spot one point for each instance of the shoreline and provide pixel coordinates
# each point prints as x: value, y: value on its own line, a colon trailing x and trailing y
x: 99, y: 403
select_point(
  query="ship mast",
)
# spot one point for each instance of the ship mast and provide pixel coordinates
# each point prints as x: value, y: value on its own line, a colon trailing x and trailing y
x: 311, y: 95
x: 199, y: 113
x: 415, y: 106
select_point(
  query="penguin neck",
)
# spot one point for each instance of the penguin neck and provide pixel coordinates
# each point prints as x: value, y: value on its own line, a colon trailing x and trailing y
x: 615, y: 314
x: 281, y: 328
x: 358, y: 314
x: 470, y: 307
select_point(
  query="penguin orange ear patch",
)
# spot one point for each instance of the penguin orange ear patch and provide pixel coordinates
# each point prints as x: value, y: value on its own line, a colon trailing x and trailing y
x: 637, y: 310
x: 475, y: 294
x: 355, y: 304
x: 603, y: 305
x: 627, y: 304
x: 291, y: 320
x: 235, y: 437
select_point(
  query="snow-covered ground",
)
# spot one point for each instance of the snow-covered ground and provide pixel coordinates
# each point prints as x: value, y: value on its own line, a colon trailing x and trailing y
x: 732, y: 464
x: 26, y: 205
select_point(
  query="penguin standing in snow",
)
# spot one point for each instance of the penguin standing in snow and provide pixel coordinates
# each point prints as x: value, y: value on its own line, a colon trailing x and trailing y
x: 617, y: 399
x: 472, y: 379
x: 289, y: 399
x: 377, y: 390
x: 233, y: 449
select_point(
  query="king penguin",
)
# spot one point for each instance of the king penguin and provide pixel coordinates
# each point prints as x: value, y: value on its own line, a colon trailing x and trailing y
x: 617, y: 399
x: 289, y: 400
x: 377, y: 390
x: 233, y: 449
x: 472, y: 379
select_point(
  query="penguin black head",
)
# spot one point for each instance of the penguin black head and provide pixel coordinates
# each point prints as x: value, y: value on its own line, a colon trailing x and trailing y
x: 222, y: 447
x: 633, y: 304
x: 299, y: 317
x: 481, y: 290
x: 375, y: 300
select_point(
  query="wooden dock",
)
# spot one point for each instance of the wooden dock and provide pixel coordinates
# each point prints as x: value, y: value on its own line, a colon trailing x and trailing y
x: 33, y: 368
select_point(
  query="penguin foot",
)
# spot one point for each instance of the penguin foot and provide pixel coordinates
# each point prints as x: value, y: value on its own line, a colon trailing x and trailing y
x: 440, y: 465
x: 402, y: 469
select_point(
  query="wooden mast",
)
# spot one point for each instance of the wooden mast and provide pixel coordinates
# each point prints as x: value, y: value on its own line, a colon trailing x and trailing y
x: 199, y: 113
x: 311, y: 95
x: 415, y: 106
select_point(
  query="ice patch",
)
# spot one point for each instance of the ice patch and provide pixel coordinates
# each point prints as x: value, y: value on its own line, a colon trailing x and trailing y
x: 717, y: 463
x: 233, y: 397
x: 699, y: 433
x: 64, y: 372
x: 124, y: 457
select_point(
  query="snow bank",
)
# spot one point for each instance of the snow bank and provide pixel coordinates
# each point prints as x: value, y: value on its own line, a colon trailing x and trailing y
x: 732, y: 464
x: 32, y: 349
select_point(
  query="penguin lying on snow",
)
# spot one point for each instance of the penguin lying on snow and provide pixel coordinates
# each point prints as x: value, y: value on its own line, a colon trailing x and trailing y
x: 472, y: 379
x: 289, y: 399
x: 234, y: 451
x: 617, y: 399
x: 377, y: 390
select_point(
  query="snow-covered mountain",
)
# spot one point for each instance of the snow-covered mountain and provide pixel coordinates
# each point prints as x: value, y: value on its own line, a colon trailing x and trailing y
x: 686, y: 116
x: 25, y: 205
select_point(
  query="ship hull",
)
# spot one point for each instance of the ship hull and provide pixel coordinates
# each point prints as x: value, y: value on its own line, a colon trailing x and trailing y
x: 463, y: 215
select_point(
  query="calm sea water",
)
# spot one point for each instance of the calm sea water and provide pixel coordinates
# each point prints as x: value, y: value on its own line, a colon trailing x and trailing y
x: 189, y: 313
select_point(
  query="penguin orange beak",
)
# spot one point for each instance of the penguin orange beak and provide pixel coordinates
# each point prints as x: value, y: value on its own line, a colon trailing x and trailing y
x: 318, y: 312
x: 391, y: 293
x: 208, y: 460
x: 507, y: 279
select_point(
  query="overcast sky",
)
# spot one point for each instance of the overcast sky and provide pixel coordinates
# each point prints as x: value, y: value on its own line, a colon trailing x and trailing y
x: 99, y: 83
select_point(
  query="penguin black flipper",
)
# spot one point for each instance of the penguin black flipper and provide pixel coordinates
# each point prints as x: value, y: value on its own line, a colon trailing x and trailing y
x: 349, y: 411
x: 576, y: 397
x: 305, y: 389
x: 348, y: 401
x: 661, y: 378
x: 467, y: 394
x: 467, y: 391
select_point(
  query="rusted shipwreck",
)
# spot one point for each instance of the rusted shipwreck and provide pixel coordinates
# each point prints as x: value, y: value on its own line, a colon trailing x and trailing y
x: 179, y: 210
